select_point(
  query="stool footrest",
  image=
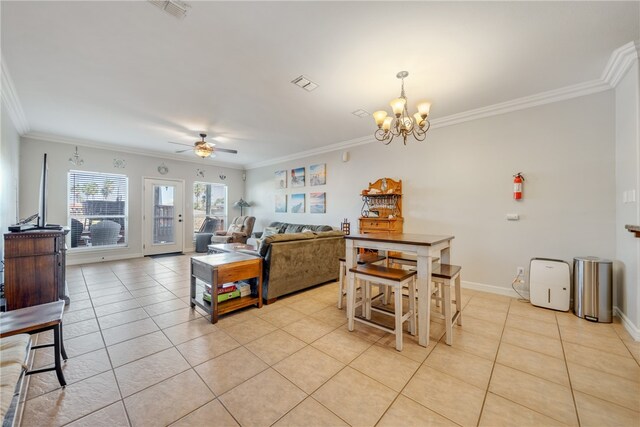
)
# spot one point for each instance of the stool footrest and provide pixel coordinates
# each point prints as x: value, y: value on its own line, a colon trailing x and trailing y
x: 42, y: 346
x: 374, y: 324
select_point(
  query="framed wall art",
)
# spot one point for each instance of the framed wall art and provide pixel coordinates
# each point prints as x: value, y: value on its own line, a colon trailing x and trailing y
x: 297, y: 203
x: 297, y: 177
x: 317, y: 202
x: 281, y: 203
x: 281, y: 179
x: 318, y: 174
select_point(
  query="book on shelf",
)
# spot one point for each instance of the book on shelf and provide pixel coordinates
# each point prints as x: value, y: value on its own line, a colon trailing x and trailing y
x: 221, y: 297
x: 244, y: 288
x: 226, y: 289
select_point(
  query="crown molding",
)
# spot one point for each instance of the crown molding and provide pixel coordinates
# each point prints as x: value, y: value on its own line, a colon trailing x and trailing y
x: 11, y: 101
x: 619, y: 63
x: 314, y: 152
x: 122, y: 149
x: 543, y: 98
x: 548, y: 97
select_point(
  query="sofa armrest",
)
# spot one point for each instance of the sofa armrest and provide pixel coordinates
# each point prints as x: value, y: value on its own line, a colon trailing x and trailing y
x: 221, y: 233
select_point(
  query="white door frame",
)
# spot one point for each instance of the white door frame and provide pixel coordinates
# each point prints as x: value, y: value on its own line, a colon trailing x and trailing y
x: 147, y: 247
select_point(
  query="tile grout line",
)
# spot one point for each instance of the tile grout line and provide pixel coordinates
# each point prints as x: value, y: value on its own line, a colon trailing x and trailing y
x: 536, y: 376
x: 113, y: 372
x: 566, y: 364
x: 413, y: 375
x: 493, y: 365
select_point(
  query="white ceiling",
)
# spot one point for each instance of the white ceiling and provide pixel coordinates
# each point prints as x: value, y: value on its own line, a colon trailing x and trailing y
x: 127, y: 74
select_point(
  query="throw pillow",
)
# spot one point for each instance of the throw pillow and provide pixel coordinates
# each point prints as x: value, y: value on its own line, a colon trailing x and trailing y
x: 235, y: 229
x: 270, y: 231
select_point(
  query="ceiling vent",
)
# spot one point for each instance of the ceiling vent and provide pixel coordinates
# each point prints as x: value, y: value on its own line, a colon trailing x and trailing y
x: 304, y: 83
x: 174, y: 8
x: 361, y: 113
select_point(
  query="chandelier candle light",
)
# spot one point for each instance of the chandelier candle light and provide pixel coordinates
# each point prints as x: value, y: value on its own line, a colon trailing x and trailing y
x: 402, y: 125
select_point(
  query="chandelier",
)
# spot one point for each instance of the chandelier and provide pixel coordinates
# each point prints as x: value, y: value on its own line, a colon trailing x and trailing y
x: 402, y: 125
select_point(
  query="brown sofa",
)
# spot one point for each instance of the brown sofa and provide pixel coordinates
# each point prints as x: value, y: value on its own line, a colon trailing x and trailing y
x: 296, y: 261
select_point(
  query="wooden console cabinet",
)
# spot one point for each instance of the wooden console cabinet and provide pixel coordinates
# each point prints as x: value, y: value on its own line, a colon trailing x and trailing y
x: 382, y: 207
x: 34, y: 265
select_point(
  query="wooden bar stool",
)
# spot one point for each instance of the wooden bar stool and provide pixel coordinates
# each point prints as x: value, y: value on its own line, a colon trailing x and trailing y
x: 443, y: 276
x: 395, y: 279
x: 366, y: 258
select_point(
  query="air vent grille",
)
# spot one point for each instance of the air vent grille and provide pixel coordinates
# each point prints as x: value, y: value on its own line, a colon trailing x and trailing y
x: 174, y: 8
x: 305, y: 83
x: 361, y: 113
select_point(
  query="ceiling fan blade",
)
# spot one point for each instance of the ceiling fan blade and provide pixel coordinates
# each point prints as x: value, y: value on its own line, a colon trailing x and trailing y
x: 183, y: 151
x: 225, y: 150
x: 179, y: 143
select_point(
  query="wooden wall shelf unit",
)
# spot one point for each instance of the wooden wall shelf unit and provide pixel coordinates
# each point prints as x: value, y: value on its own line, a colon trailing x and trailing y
x: 382, y: 207
x: 34, y: 267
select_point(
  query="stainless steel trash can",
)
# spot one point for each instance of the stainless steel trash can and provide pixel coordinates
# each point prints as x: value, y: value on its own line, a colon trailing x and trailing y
x: 592, y: 288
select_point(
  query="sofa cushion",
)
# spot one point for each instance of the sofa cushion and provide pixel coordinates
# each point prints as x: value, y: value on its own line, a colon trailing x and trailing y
x: 331, y: 233
x: 286, y: 237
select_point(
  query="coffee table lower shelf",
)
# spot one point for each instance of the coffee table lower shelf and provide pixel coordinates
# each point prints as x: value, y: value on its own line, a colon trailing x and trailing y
x: 225, y: 306
x: 225, y: 268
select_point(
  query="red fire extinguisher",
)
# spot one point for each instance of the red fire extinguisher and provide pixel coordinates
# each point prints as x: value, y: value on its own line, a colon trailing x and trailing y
x: 518, y: 179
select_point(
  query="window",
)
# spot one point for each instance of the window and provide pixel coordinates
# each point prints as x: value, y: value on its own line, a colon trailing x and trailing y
x: 209, y: 200
x: 97, y: 206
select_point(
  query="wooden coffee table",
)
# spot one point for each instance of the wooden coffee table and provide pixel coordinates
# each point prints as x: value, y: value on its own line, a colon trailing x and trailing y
x: 224, y: 268
x: 36, y: 319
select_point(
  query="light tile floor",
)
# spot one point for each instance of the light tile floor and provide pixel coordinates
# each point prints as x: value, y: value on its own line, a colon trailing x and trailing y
x: 140, y: 356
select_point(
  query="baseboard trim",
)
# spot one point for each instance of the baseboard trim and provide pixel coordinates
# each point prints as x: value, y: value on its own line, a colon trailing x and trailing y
x: 499, y: 290
x: 101, y: 258
x: 633, y: 330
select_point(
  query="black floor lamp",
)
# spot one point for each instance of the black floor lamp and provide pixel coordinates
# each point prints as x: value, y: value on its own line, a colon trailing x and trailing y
x: 241, y: 204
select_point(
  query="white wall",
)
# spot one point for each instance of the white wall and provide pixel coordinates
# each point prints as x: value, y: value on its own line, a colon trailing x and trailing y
x: 9, y: 176
x: 99, y: 160
x: 627, y: 126
x: 459, y: 182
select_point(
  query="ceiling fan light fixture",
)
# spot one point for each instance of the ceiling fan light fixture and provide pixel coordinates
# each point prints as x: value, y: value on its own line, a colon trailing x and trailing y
x: 203, y: 150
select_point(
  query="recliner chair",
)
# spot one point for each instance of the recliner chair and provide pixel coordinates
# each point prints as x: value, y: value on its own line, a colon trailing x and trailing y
x: 238, y: 232
x: 76, y: 232
x: 105, y: 233
x: 203, y: 236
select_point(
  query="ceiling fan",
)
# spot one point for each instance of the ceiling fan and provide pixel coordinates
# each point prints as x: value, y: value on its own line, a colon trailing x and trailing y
x: 203, y: 149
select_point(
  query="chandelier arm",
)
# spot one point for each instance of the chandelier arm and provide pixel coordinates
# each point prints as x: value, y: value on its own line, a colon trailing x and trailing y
x: 419, y: 135
x: 383, y: 136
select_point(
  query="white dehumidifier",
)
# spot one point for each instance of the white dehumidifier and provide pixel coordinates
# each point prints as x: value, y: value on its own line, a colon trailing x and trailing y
x: 550, y: 283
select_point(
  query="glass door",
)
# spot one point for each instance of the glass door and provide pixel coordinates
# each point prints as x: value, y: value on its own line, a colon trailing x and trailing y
x: 163, y: 218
